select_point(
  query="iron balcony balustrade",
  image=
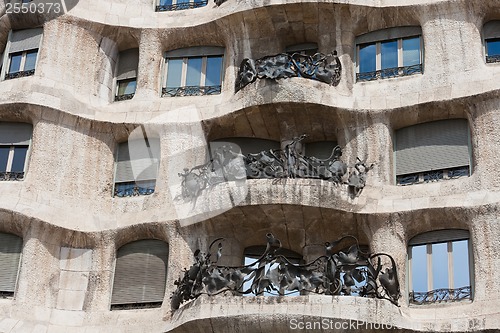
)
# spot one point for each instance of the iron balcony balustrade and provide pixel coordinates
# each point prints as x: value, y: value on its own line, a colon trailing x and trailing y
x: 432, y: 176
x: 492, y: 58
x: 16, y: 75
x: 133, y: 190
x: 181, y: 6
x: 124, y: 97
x: 11, y: 176
x: 191, y: 91
x: 389, y: 73
x: 440, y: 295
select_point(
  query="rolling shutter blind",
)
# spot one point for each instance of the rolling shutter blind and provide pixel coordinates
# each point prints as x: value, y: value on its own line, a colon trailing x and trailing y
x: 439, y: 236
x: 321, y: 150
x: 15, y: 133
x: 491, y: 29
x: 247, y: 145
x: 10, y: 254
x: 137, y: 161
x: 431, y: 146
x: 24, y: 40
x: 140, y: 272
x: 127, y: 64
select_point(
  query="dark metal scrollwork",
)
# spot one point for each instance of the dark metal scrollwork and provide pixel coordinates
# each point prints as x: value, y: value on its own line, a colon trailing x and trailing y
x: 349, y: 272
x: 316, y: 67
x: 11, y: 176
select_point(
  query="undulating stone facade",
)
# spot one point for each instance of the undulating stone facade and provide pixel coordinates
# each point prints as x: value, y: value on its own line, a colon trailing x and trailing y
x: 72, y: 223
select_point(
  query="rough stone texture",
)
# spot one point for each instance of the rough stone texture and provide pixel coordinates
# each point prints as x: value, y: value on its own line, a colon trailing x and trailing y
x: 71, y: 224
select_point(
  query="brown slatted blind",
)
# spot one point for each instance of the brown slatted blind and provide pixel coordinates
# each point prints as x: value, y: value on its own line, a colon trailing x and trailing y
x: 321, y: 149
x: 491, y: 29
x: 15, y: 133
x: 10, y: 255
x: 431, y: 146
x: 439, y: 236
x: 24, y: 40
x: 127, y: 64
x: 140, y: 272
x: 137, y: 161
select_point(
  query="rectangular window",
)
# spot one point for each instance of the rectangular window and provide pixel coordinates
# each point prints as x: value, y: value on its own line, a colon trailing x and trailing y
x: 15, y: 139
x: 193, y: 76
x: 389, y: 58
x: 171, y: 5
x: 126, y: 77
x: 493, y: 50
x: 23, y: 53
x: 439, y: 266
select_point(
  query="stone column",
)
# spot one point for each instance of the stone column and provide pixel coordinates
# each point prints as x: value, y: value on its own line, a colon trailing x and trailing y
x: 150, y: 65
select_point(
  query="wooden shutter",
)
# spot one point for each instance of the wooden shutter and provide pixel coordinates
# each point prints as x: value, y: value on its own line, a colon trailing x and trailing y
x: 247, y: 145
x: 439, y: 236
x: 24, y: 40
x: 15, y: 133
x: 10, y: 255
x: 431, y: 146
x: 127, y: 64
x: 137, y: 161
x: 140, y: 272
x: 320, y: 149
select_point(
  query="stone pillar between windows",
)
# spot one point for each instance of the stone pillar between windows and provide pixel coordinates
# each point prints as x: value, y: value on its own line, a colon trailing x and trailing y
x: 150, y: 65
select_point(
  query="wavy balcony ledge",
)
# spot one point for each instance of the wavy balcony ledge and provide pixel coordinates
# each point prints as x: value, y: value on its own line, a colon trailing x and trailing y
x: 263, y: 314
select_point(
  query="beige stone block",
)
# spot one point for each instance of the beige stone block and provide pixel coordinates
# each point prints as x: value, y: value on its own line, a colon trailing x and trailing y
x: 71, y: 280
x: 67, y: 318
x: 73, y: 259
x: 40, y: 329
x: 7, y: 324
x: 70, y: 299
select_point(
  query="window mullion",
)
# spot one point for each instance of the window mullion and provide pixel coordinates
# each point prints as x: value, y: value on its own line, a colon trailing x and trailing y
x: 378, y: 57
x: 10, y: 159
x: 410, y: 269
x: 429, y: 267
x: 450, y: 266
x: 203, y: 71
x: 400, y: 52
x: 23, y: 62
x: 184, y: 71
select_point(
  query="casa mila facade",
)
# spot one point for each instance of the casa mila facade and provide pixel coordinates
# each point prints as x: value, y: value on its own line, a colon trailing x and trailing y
x: 249, y: 166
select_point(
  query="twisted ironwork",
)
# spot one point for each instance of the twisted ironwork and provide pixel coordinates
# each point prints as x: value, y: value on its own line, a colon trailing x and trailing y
x: 191, y: 91
x: 229, y: 165
x: 16, y: 75
x: 133, y: 191
x: 440, y: 295
x: 11, y: 176
x: 350, y: 272
x: 432, y: 176
x: 181, y: 6
x: 492, y: 58
x: 316, y: 67
x: 389, y: 72
x: 124, y: 97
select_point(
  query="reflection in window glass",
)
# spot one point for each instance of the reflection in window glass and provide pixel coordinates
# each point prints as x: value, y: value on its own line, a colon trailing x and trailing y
x: 165, y: 2
x: 419, y: 267
x: 19, y: 158
x: 493, y: 47
x: 440, y: 265
x: 461, y: 276
x: 367, y: 58
x: 15, y: 63
x: 174, y: 73
x: 411, y: 51
x: 389, y: 52
x: 126, y: 87
x: 193, y: 75
x: 214, y: 67
x: 30, y: 60
x: 4, y: 156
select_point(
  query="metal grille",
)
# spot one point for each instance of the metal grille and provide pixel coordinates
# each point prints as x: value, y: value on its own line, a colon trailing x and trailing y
x: 492, y: 58
x: 181, y: 6
x: 190, y: 91
x: 389, y: 72
x: 16, y: 75
x: 124, y: 97
x: 440, y: 295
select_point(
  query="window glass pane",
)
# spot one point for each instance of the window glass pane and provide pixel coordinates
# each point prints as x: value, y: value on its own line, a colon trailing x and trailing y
x: 411, y: 51
x: 193, y: 72
x: 15, y: 63
x: 367, y: 58
x: 493, y: 47
x: 461, y: 264
x: 30, y: 60
x: 182, y: 1
x: 419, y: 268
x: 19, y: 158
x: 174, y: 74
x: 126, y: 87
x: 214, y: 67
x: 440, y: 265
x: 4, y: 156
x: 165, y: 2
x: 389, y: 51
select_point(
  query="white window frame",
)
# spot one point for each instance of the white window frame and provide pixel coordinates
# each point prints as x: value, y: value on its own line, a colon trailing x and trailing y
x: 490, y: 32
x: 5, y: 68
x: 386, y: 35
x: 194, y: 52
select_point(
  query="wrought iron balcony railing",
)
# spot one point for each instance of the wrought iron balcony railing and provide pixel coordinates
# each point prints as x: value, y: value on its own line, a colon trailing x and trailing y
x: 124, y: 97
x: 181, y: 6
x: 389, y: 72
x: 432, y: 176
x: 11, y: 176
x: 440, y: 295
x: 191, y: 91
x: 133, y: 191
x: 350, y: 272
x: 16, y: 75
x: 493, y: 58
